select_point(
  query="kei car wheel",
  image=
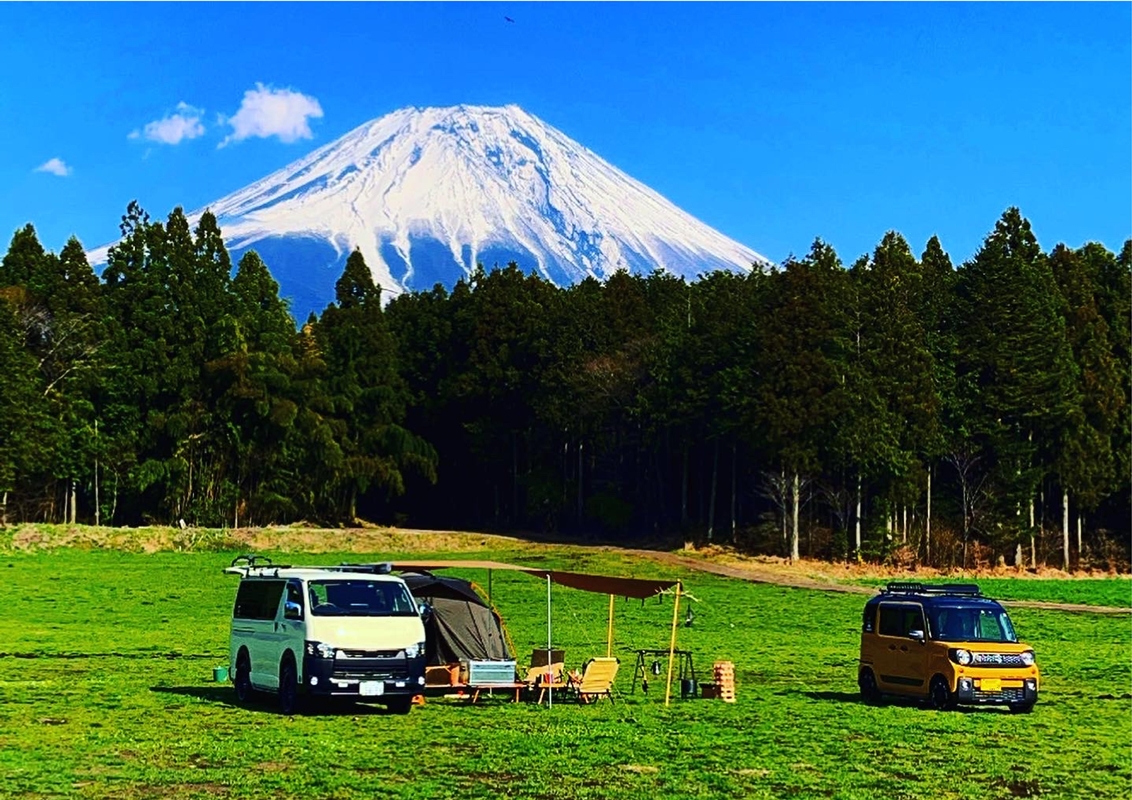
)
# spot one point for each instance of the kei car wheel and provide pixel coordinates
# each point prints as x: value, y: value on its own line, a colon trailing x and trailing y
x: 243, y: 680
x: 868, y: 683
x: 940, y: 695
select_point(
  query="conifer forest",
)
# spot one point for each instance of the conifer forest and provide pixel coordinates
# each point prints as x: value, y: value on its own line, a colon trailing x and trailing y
x: 899, y: 408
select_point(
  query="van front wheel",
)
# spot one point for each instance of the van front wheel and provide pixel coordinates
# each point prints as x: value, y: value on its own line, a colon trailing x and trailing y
x: 288, y: 689
x: 400, y: 705
x: 243, y: 680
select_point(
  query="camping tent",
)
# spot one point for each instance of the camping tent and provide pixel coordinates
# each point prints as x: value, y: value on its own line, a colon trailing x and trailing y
x: 462, y: 625
x: 602, y: 584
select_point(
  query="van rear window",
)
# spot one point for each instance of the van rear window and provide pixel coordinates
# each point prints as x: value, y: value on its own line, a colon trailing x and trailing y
x: 258, y: 599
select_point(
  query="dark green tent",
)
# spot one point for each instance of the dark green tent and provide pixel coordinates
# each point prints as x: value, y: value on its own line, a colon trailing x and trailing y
x: 462, y: 627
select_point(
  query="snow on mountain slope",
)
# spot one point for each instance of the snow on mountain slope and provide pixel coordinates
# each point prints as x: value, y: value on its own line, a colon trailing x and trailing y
x: 427, y: 193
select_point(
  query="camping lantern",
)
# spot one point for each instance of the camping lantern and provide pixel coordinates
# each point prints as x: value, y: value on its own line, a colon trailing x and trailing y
x: 656, y: 667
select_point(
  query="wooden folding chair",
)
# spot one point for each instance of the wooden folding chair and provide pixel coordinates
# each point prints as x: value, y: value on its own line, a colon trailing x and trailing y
x: 597, y: 679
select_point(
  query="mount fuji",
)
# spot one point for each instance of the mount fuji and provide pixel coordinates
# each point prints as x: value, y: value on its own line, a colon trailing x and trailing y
x: 426, y: 194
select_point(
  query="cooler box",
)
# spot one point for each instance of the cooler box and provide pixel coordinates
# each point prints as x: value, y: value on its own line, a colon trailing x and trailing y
x: 484, y: 673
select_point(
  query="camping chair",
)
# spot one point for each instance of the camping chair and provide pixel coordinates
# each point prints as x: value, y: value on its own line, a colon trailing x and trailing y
x: 546, y: 676
x: 597, y: 679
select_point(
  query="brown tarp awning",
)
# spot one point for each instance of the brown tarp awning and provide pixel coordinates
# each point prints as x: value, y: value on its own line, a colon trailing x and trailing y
x: 601, y: 584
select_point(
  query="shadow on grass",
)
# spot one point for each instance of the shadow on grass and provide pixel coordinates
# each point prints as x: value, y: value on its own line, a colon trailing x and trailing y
x: 854, y: 698
x: 317, y: 707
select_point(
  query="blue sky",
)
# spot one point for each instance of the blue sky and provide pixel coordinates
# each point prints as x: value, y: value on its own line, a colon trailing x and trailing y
x: 774, y: 123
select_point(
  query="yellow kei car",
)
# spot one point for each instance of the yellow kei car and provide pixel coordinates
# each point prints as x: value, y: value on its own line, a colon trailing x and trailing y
x: 947, y: 644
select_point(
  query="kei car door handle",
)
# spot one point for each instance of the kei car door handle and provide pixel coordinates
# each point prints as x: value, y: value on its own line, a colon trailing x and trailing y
x: 892, y: 647
x: 904, y: 647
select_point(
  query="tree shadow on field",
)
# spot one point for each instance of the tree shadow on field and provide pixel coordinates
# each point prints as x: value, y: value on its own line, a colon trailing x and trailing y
x: 226, y: 696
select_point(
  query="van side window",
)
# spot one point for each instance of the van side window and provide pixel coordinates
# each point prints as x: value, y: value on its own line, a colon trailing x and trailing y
x: 294, y: 608
x: 258, y: 599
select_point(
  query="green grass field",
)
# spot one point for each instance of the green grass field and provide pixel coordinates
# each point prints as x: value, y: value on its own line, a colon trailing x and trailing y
x: 106, y: 691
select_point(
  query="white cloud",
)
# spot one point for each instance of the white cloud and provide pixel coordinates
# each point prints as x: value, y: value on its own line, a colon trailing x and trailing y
x: 267, y: 112
x: 184, y: 123
x: 56, y: 166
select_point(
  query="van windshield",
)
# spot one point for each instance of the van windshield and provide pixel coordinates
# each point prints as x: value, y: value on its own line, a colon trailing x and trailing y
x: 360, y: 598
x: 970, y: 624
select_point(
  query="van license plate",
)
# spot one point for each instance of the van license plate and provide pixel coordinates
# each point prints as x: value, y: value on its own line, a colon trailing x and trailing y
x: 371, y: 688
x: 991, y: 685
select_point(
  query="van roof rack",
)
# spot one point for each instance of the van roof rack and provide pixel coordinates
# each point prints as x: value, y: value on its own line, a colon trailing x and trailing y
x: 913, y: 587
x: 262, y: 566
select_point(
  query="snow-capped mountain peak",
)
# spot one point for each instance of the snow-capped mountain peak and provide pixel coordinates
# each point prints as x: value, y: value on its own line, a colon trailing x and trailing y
x: 426, y: 194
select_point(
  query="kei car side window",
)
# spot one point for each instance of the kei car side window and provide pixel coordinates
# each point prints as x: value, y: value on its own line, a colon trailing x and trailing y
x: 900, y: 619
x: 258, y: 599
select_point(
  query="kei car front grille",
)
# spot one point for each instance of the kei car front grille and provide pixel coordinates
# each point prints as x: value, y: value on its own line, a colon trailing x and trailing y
x: 997, y: 660
x: 1001, y: 696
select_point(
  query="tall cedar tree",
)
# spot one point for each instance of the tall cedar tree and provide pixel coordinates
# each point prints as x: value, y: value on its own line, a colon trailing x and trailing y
x: 1016, y: 361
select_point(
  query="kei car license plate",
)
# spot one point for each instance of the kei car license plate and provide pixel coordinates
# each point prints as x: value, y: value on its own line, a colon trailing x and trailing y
x: 371, y: 688
x: 991, y: 685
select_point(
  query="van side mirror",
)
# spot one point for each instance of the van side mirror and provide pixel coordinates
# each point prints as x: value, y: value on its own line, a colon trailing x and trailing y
x: 292, y: 610
x: 425, y: 611
x: 917, y: 635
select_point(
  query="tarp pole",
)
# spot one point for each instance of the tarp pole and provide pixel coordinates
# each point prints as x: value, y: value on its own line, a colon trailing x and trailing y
x: 609, y: 637
x: 489, y: 586
x: 672, y: 645
x: 550, y: 688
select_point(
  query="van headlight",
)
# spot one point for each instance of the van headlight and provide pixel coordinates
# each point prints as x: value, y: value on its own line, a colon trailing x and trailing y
x: 320, y: 650
x: 960, y: 656
x: 1028, y: 658
x: 414, y: 650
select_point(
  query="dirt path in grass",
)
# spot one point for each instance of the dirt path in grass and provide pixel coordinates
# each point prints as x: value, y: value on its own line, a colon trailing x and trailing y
x: 778, y: 576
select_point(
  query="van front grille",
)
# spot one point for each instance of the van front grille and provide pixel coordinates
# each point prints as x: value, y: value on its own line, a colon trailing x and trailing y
x: 352, y: 654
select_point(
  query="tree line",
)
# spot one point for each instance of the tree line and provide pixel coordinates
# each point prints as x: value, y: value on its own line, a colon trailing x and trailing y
x: 896, y: 408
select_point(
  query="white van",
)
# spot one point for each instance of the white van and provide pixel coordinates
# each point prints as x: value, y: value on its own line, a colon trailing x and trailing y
x: 352, y: 630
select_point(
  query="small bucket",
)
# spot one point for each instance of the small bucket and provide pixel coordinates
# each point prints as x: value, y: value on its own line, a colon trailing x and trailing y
x: 220, y: 674
x: 687, y: 688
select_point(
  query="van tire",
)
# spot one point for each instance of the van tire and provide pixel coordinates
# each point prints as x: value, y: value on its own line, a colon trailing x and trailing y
x: 242, y: 680
x: 868, y: 683
x: 400, y: 705
x: 288, y: 687
x: 940, y: 694
x: 1021, y: 708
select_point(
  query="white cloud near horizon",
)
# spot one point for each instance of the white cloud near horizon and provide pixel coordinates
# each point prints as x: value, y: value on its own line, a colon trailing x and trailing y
x: 267, y: 112
x: 182, y: 124
x: 55, y: 166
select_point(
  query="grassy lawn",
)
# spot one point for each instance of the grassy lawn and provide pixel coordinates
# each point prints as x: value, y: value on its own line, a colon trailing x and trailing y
x: 106, y: 691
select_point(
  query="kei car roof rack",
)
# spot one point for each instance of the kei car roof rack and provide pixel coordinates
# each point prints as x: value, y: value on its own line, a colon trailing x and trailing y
x: 914, y: 587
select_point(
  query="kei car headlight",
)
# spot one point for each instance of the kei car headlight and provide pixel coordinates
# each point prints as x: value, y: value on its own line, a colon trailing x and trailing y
x: 1028, y: 658
x: 960, y: 656
x: 414, y: 650
x: 320, y: 650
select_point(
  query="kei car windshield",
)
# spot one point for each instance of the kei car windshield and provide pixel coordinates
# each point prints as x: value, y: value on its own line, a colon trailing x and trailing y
x: 360, y: 598
x: 972, y: 624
